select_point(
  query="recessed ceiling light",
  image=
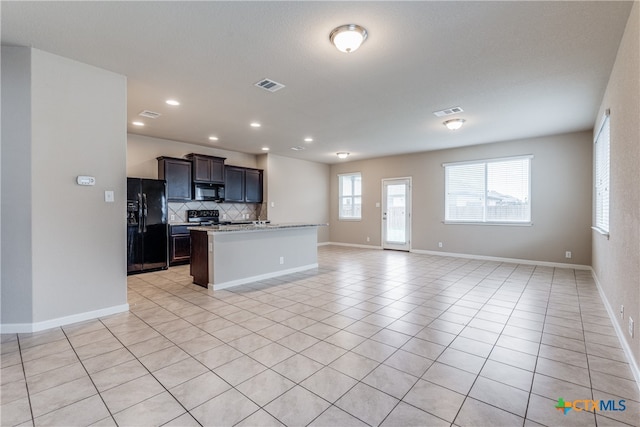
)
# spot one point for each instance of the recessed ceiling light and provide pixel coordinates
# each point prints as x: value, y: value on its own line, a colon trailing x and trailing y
x: 213, y: 138
x: 255, y: 125
x: 265, y: 148
x: 342, y: 155
x: 308, y: 140
x: 172, y: 102
x: 137, y: 123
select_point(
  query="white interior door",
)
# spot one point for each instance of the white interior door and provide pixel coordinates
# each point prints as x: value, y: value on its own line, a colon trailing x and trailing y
x: 396, y: 214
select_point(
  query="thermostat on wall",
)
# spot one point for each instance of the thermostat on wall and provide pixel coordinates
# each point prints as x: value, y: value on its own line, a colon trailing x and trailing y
x: 86, y: 180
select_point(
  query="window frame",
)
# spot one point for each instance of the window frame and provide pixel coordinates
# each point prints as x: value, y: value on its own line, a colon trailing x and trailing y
x: 353, y: 196
x: 600, y: 201
x: 485, y: 221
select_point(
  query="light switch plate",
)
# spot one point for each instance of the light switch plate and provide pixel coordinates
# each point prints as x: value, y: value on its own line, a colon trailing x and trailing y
x: 109, y: 196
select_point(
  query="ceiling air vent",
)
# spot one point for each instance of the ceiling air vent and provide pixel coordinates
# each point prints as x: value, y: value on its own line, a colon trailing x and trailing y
x: 269, y: 85
x: 298, y: 148
x: 149, y: 114
x: 448, y: 111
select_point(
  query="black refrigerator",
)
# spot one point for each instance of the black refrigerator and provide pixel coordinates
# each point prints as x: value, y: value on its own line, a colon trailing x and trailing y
x: 147, y: 230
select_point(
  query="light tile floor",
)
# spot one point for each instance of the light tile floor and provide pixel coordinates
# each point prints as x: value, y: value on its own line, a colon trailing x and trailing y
x: 370, y: 338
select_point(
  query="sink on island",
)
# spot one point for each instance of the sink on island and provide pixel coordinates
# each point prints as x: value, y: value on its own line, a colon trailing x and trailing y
x: 223, y: 256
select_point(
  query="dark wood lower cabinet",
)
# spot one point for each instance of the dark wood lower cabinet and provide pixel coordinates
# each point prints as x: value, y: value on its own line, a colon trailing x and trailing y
x: 200, y: 258
x: 179, y: 245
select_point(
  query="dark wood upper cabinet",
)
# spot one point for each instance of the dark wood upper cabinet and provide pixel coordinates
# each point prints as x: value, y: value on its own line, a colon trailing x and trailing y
x: 177, y: 173
x: 234, y: 184
x: 207, y: 169
x: 243, y: 185
x: 253, y: 186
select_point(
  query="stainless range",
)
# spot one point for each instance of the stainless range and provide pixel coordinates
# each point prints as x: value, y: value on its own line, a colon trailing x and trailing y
x: 205, y: 217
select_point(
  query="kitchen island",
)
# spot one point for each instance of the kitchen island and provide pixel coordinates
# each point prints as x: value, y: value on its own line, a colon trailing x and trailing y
x: 223, y: 256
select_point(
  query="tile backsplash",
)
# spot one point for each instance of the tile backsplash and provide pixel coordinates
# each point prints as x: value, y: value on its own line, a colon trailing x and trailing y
x: 228, y: 211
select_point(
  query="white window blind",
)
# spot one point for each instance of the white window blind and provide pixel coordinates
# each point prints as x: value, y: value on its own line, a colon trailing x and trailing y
x: 350, y: 196
x: 488, y: 191
x: 602, y: 148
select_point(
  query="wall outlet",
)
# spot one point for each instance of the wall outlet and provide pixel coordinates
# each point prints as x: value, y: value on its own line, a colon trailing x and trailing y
x: 224, y: 216
x: 281, y: 260
x: 567, y: 254
x: 368, y: 239
x: 631, y: 327
x: 173, y: 217
x: 621, y: 312
x: 439, y: 244
x: 109, y: 196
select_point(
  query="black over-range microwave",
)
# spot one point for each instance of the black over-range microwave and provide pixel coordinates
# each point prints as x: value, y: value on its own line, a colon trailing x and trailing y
x: 207, y: 191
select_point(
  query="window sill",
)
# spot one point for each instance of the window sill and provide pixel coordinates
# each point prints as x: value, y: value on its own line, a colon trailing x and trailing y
x: 350, y: 219
x: 501, y: 224
x: 601, y: 231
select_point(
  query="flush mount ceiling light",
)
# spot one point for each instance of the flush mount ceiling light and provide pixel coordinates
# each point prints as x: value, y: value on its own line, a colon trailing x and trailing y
x: 255, y: 125
x: 308, y: 140
x: 213, y: 138
x: 137, y: 123
x: 348, y: 38
x: 172, y: 102
x: 454, y: 124
x: 342, y: 155
x: 265, y: 148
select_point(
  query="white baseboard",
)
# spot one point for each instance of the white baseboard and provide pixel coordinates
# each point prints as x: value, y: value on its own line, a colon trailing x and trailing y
x: 232, y: 283
x: 470, y: 256
x: 619, y: 332
x: 18, y: 328
x: 501, y: 259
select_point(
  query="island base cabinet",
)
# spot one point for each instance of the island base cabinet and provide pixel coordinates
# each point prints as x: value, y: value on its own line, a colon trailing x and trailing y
x: 200, y: 258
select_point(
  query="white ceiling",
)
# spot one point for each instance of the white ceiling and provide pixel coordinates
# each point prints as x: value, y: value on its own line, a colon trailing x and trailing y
x: 518, y: 69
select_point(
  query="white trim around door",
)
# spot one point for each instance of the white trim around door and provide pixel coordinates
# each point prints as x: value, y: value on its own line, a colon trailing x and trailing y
x: 396, y: 213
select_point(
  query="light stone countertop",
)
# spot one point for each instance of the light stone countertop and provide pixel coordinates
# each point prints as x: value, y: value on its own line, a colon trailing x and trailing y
x: 214, y: 229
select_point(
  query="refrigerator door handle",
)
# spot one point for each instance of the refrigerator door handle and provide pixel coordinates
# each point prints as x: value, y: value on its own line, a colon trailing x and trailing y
x: 144, y: 211
x: 140, y: 213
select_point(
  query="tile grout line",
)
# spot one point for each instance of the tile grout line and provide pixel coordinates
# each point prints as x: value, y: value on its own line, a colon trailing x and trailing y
x: 26, y: 383
x: 88, y: 375
x: 494, y: 345
x: 535, y: 366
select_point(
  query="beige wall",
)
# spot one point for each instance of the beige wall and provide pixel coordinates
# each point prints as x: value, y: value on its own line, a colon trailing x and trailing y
x: 74, y: 241
x: 142, y: 152
x: 16, y: 187
x: 616, y: 261
x: 561, y: 201
x: 298, y: 191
